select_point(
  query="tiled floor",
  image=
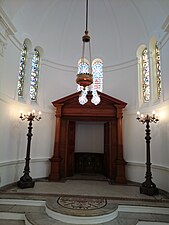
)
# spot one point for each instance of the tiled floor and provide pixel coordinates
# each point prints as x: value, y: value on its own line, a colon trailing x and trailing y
x: 120, y: 194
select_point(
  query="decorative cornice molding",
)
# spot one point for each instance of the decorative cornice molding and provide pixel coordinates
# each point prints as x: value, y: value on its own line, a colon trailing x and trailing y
x: 2, y: 45
x: 6, y: 23
x: 7, y: 27
x: 164, y: 40
x: 7, y: 30
x: 165, y: 25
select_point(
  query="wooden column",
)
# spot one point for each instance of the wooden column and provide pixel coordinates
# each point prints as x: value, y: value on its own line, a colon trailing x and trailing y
x: 55, y: 160
x: 120, y: 176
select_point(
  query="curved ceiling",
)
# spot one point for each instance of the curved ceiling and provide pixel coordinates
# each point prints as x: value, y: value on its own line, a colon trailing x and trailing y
x: 116, y: 27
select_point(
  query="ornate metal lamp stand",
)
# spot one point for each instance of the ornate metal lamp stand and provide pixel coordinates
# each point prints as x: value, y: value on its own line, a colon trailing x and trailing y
x: 148, y: 187
x: 26, y: 180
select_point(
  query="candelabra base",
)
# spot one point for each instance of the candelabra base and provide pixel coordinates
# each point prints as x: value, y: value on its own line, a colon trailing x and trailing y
x: 149, y: 188
x: 26, y: 182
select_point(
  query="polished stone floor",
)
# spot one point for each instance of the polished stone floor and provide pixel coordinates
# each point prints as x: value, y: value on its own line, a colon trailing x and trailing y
x: 135, y: 208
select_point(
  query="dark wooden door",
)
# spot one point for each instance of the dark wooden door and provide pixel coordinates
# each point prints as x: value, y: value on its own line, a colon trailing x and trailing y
x: 110, y: 149
x: 89, y: 163
x: 106, y: 149
x: 70, y: 147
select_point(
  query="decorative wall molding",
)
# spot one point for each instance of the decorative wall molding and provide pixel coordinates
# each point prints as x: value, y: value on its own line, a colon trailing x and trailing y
x: 158, y: 106
x: 16, y: 162
x: 120, y: 66
x: 55, y: 65
x: 73, y: 69
x: 8, y: 100
x: 15, y: 168
x: 157, y: 167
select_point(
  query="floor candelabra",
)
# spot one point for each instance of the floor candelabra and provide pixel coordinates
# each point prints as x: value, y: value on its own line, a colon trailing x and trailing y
x: 148, y: 187
x: 26, y: 180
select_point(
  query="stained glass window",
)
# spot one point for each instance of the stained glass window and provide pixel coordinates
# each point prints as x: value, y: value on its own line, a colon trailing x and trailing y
x: 35, y: 75
x: 97, y: 71
x: 83, y: 67
x: 158, y: 70
x: 22, y: 67
x: 145, y: 76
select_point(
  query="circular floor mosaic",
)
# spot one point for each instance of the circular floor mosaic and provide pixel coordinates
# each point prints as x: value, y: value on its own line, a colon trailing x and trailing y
x: 80, y: 203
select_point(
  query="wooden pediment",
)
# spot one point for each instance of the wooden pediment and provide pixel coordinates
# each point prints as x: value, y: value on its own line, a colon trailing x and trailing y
x: 70, y: 107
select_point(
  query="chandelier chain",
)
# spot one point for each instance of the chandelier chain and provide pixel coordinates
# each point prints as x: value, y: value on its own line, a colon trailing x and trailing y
x: 86, y: 15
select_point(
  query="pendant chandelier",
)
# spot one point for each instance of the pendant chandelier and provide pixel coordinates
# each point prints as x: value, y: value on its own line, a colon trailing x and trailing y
x: 84, y: 78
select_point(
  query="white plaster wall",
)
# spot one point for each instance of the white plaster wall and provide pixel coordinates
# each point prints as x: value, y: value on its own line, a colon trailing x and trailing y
x: 121, y: 82
x: 13, y: 141
x: 55, y: 83
x: 165, y: 68
x: 11, y: 68
x: 1, y: 63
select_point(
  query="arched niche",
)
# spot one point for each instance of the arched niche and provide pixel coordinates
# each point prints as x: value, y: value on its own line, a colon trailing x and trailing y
x: 68, y: 112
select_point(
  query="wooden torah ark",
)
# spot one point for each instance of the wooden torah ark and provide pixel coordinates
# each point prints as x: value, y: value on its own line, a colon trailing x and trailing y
x: 68, y: 112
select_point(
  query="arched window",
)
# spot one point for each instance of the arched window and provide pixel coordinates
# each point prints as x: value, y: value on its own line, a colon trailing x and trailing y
x: 83, y: 67
x: 22, y: 67
x: 97, y: 71
x: 34, y: 75
x: 158, y: 70
x: 155, y: 66
x: 144, y: 88
x: 145, y: 76
x: 149, y: 70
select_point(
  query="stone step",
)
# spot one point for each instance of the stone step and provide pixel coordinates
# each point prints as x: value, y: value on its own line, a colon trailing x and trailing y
x: 41, y: 218
x: 44, y: 219
x: 79, y: 210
